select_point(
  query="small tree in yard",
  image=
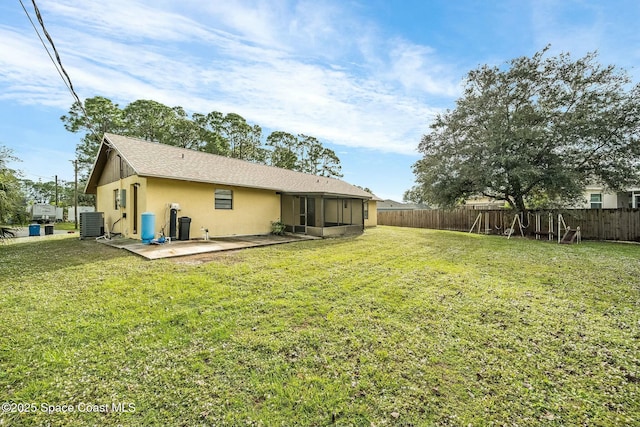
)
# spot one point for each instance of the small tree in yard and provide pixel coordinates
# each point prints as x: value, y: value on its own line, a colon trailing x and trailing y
x: 540, y: 129
x: 11, y: 195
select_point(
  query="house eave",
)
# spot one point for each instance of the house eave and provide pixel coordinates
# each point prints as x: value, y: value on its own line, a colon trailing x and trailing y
x: 325, y: 194
x: 268, y: 188
x: 96, y: 170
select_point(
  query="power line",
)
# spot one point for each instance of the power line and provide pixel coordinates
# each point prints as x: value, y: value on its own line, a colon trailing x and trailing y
x: 59, y: 67
x: 45, y: 46
x: 44, y: 179
x: 57, y: 63
x: 27, y: 173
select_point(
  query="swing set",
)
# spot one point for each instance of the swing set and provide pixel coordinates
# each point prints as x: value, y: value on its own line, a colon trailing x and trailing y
x: 564, y: 233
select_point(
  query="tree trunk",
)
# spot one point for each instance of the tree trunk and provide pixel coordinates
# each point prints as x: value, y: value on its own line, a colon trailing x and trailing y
x: 519, y: 203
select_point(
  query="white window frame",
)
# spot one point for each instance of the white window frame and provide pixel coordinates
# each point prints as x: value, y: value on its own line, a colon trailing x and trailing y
x: 595, y: 203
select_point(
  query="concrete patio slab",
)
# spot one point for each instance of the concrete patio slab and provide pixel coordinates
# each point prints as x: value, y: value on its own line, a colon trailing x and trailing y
x: 193, y: 247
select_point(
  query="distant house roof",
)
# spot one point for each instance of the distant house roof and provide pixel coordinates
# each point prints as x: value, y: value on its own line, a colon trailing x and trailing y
x: 392, y: 205
x: 152, y: 159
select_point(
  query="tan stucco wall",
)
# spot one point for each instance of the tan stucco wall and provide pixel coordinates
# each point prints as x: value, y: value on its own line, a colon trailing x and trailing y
x: 252, y: 213
x: 372, y: 221
x: 105, y: 203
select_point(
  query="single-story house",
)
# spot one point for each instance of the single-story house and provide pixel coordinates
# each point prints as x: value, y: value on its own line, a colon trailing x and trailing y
x: 226, y: 196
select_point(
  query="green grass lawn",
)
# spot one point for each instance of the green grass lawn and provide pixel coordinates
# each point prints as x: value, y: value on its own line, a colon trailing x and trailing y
x: 65, y: 226
x: 394, y: 327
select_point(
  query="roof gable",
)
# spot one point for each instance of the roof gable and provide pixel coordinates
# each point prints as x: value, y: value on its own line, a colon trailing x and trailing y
x: 152, y: 159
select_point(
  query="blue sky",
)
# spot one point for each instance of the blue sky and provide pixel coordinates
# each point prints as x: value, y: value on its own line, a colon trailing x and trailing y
x: 365, y: 77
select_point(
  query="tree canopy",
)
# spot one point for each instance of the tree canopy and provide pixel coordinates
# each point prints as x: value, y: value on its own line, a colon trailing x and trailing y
x: 539, y: 129
x: 11, y: 195
x: 217, y: 133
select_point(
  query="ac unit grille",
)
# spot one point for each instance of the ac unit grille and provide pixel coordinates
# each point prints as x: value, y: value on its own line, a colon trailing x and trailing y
x: 91, y: 224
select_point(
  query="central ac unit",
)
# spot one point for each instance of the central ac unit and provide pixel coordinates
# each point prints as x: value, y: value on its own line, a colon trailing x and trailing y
x: 91, y: 224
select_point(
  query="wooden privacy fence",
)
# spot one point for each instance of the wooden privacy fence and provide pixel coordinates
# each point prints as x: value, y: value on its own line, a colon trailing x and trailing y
x: 595, y: 224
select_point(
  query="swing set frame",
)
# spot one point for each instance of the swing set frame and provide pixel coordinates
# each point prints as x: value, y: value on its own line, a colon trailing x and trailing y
x: 565, y: 233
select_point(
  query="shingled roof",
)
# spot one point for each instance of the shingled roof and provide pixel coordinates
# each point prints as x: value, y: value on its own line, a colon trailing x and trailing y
x: 152, y: 159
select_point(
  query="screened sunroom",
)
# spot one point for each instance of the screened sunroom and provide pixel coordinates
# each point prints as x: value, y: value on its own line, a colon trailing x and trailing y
x: 323, y: 215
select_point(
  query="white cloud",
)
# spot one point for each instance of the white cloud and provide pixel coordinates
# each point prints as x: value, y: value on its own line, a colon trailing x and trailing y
x: 26, y: 73
x: 417, y: 69
x: 123, y: 20
x: 286, y: 68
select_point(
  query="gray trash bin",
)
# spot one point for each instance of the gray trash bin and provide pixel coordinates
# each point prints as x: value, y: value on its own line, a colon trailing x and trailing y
x: 184, y: 223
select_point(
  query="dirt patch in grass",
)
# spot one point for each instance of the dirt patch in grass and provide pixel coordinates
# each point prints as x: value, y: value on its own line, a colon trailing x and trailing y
x: 224, y: 257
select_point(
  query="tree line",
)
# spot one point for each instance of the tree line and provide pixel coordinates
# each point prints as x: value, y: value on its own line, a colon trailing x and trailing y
x: 216, y: 133
x: 17, y: 193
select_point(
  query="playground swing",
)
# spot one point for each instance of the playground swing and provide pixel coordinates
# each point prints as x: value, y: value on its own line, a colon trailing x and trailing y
x: 478, y: 222
x: 570, y: 235
x: 517, y: 218
x: 565, y: 233
x: 549, y: 233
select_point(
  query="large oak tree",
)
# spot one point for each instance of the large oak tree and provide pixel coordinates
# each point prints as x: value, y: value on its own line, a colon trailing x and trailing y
x: 539, y: 128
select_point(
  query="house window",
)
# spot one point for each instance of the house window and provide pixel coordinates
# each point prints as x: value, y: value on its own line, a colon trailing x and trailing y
x: 596, y: 201
x: 116, y: 193
x: 365, y: 203
x: 224, y: 199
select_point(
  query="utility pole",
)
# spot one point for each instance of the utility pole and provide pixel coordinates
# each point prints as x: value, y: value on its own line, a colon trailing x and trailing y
x: 56, y: 193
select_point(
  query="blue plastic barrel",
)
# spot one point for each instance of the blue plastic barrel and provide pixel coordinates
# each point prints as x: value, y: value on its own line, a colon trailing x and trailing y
x: 34, y: 229
x: 148, y: 226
